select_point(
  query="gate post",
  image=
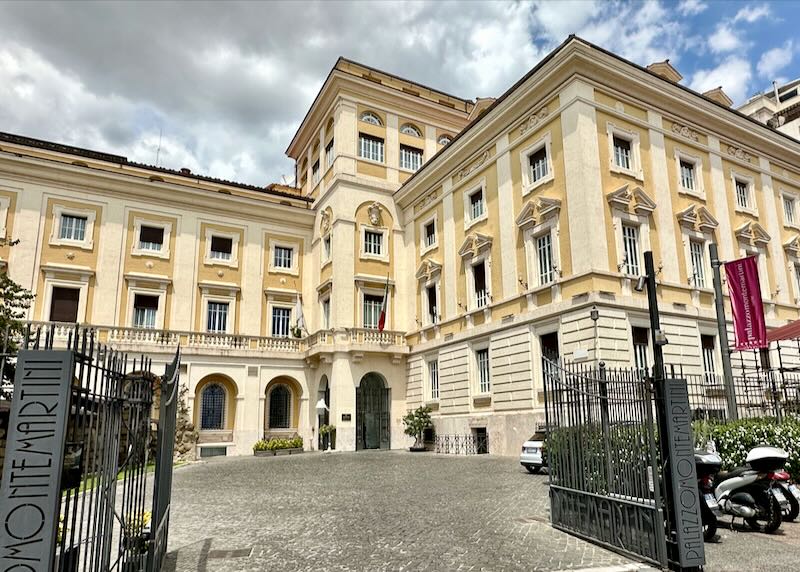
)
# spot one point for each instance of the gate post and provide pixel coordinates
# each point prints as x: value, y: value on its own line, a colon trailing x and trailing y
x: 603, y: 394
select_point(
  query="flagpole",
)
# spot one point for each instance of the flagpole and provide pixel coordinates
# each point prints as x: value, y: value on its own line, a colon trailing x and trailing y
x: 722, y: 329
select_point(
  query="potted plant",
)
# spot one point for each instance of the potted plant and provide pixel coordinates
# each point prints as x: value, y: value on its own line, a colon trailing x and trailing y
x: 275, y: 447
x: 297, y: 331
x: 328, y: 433
x: 416, y: 422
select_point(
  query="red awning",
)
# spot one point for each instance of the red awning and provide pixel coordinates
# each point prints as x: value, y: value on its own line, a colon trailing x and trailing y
x: 788, y: 332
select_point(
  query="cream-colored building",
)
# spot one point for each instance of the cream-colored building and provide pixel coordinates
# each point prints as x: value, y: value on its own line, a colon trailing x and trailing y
x: 497, y: 224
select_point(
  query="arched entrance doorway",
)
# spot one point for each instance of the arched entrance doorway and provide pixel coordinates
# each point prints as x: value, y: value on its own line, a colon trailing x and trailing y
x: 372, y: 413
x: 323, y: 415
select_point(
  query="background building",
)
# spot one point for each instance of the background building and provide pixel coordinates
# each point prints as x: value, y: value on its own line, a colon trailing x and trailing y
x: 499, y: 226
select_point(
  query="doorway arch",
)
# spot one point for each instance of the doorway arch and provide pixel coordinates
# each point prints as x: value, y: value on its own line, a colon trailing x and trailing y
x: 372, y: 412
x: 324, y: 418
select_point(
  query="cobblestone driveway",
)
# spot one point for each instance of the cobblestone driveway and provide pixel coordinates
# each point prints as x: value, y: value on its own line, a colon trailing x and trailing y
x: 368, y: 511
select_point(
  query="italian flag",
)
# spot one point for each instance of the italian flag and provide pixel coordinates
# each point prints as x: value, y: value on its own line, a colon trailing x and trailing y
x: 382, y: 318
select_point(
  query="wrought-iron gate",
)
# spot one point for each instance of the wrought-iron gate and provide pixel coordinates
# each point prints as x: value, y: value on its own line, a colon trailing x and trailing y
x: 603, y: 458
x: 75, y: 487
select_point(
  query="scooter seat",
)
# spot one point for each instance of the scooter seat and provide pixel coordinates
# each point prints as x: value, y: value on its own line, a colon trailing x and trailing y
x: 733, y: 473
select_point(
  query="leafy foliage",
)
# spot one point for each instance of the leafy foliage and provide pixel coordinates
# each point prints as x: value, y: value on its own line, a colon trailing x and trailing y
x: 416, y: 422
x: 275, y: 444
x: 14, y: 303
x: 326, y: 429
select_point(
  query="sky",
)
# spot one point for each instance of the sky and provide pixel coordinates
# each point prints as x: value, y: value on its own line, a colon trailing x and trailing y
x: 220, y: 88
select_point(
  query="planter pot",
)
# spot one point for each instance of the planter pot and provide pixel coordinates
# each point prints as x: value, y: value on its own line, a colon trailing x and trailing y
x: 421, y: 449
x: 277, y: 452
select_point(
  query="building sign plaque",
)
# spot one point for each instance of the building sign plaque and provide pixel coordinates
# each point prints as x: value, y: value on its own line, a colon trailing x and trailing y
x: 346, y: 417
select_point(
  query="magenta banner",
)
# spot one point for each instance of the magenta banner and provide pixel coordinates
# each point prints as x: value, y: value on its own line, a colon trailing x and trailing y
x: 744, y: 288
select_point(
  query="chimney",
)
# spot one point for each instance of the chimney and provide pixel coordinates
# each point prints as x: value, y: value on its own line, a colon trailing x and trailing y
x: 719, y: 96
x: 186, y: 171
x: 664, y: 69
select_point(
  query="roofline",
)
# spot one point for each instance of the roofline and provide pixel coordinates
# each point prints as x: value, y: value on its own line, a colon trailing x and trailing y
x: 123, y: 161
x: 550, y: 56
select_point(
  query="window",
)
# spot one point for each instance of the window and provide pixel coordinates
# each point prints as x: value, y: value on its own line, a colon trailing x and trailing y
x: 64, y: 304
x: 630, y: 244
x: 151, y: 238
x: 315, y: 172
x: 73, y: 228
x: 372, y: 310
x: 640, y: 345
x: 145, y: 309
x: 433, y: 378
x: 476, y: 205
x: 622, y: 153
x: 484, y: 375
x: 697, y: 252
x: 280, y: 402
x: 371, y: 118
x: 538, y: 164
x: 282, y: 257
x: 479, y: 279
x: 329, y: 156
x: 373, y: 243
x: 544, y: 255
x: 410, y: 158
x: 326, y: 248
x: 444, y: 139
x: 430, y: 234
x: 709, y: 368
x: 796, y: 267
x: 409, y: 129
x: 550, y: 357
x: 326, y: 314
x: 788, y: 209
x: 280, y: 322
x: 430, y: 299
x: 217, y: 318
x: 370, y: 147
x: 221, y: 248
x: 742, y: 194
x: 212, y: 408
x: 687, y: 175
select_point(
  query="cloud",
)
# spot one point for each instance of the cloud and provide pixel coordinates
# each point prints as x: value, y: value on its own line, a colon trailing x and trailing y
x: 752, y: 13
x: 691, y: 7
x: 733, y: 74
x: 774, y: 60
x: 724, y: 39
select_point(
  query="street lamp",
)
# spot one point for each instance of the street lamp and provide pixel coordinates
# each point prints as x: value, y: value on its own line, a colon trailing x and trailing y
x: 594, y: 314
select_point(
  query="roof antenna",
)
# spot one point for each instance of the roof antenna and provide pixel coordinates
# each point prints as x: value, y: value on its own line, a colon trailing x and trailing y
x: 158, y: 151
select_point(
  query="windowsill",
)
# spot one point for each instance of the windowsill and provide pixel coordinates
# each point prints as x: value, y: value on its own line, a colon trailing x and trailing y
x: 218, y: 262
x: 409, y: 171
x: 702, y: 289
x: 288, y: 271
x: 482, y: 400
x: 372, y: 161
x: 794, y: 225
x: 634, y: 173
x: 433, y: 404
x: 82, y: 244
x: 427, y: 249
x: 326, y: 262
x: 472, y: 222
x: 692, y: 193
x: 746, y: 210
x: 162, y: 254
x: 377, y: 257
x: 536, y: 184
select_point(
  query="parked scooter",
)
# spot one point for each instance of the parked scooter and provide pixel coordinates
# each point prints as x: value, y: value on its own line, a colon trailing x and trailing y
x: 751, y: 492
x: 707, y: 465
x: 792, y: 493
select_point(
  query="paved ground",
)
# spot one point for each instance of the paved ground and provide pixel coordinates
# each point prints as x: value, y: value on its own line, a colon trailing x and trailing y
x: 392, y: 511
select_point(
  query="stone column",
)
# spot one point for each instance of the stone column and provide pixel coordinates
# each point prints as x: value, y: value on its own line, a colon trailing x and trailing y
x: 505, y: 201
x: 770, y: 217
x: 450, y: 270
x: 722, y: 212
x: 343, y: 401
x: 664, y: 214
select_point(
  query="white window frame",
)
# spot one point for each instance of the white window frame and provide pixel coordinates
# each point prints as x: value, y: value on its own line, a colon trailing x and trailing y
x: 294, y: 270
x: 88, y: 237
x: 326, y: 252
x: 544, y: 142
x: 371, y: 118
x: 414, y: 130
x: 330, y: 156
x: 410, y: 169
x: 446, y: 138
x: 5, y: 204
x: 763, y: 274
x: 697, y: 161
x: 423, y: 247
x: 160, y: 293
x: 709, y: 330
x: 429, y: 397
x: 752, y: 206
x: 693, y: 236
x: 640, y: 322
x: 794, y: 268
x: 794, y: 199
x: 472, y: 296
x: 325, y: 320
x: 80, y: 285
x: 477, y: 390
x: 315, y: 172
x: 643, y: 222
x: 284, y: 306
x: 138, y: 223
x: 479, y: 186
x: 426, y: 317
x: 384, y: 256
x: 532, y: 234
x: 382, y: 160
x: 374, y: 292
x: 631, y: 137
x: 231, y: 301
x: 234, y: 236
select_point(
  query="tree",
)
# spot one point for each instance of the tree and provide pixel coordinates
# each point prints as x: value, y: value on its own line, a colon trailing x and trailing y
x: 416, y: 422
x: 14, y: 304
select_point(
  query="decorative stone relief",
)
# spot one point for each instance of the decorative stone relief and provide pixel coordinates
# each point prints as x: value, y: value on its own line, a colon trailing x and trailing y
x: 325, y: 221
x: 739, y: 153
x: 220, y: 273
x: 533, y: 120
x: 684, y: 131
x: 70, y: 255
x: 464, y: 172
x: 374, y: 213
x: 424, y: 201
x: 619, y: 106
x: 149, y: 264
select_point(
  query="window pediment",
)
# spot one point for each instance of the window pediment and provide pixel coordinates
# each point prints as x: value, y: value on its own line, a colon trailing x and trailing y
x: 697, y: 218
x: 752, y: 233
x: 632, y: 200
x: 792, y: 247
x: 474, y: 244
x: 428, y: 269
x: 537, y: 210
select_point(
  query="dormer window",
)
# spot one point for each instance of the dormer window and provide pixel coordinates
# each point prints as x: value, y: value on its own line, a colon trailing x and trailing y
x: 371, y: 118
x: 409, y: 129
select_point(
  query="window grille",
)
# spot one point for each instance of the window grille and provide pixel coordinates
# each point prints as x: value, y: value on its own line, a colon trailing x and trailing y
x: 410, y: 158
x: 283, y: 257
x: 742, y: 194
x: 640, y: 344
x: 476, y: 204
x: 326, y: 313
x: 622, y: 153
x: 630, y: 239
x: 221, y: 248
x: 151, y: 238
x: 544, y: 254
x: 433, y: 378
x: 430, y: 234
x: 409, y: 129
x: 370, y: 147
x: 280, y: 407
x: 433, y: 316
x: 280, y: 322
x: 698, y: 264
x: 484, y: 376
x: 373, y: 243
x: 73, y: 227
x: 144, y: 311
x: 538, y: 164
x: 687, y: 175
x: 218, y: 317
x: 709, y: 367
x: 479, y: 278
x: 212, y: 409
x: 372, y: 310
x: 371, y: 118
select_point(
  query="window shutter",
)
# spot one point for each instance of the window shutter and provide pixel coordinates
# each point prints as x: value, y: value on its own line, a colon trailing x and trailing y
x: 64, y: 304
x: 141, y: 301
x: 220, y: 244
x: 151, y: 234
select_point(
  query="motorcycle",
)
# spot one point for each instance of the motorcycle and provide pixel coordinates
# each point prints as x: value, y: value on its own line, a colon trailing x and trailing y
x: 792, y: 493
x: 751, y: 492
x: 708, y: 465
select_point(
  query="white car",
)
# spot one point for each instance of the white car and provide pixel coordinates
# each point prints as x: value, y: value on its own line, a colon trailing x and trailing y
x: 533, y: 456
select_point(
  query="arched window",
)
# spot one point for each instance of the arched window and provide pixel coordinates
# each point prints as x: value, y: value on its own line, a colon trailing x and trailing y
x: 212, y: 407
x: 369, y: 117
x: 280, y: 401
x: 444, y: 139
x: 409, y: 129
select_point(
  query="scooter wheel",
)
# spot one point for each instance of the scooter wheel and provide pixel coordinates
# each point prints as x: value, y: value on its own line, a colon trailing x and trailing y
x: 794, y: 506
x: 709, y: 523
x: 770, y: 519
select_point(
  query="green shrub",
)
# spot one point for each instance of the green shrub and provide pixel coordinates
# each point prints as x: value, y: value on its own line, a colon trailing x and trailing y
x: 416, y: 422
x: 734, y: 439
x: 275, y: 444
x: 326, y: 429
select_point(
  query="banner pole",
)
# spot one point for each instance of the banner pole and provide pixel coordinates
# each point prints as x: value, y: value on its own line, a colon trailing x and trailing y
x: 722, y: 329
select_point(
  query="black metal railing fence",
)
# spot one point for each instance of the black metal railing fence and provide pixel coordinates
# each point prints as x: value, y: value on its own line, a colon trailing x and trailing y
x: 463, y: 444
